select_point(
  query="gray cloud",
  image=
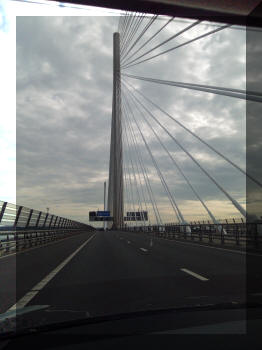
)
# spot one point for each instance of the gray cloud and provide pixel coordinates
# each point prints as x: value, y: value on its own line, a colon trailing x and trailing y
x: 64, y: 98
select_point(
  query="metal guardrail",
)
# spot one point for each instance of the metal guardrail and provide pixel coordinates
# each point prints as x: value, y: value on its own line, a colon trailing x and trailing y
x: 16, y: 241
x: 22, y: 227
x: 245, y: 235
x: 17, y: 217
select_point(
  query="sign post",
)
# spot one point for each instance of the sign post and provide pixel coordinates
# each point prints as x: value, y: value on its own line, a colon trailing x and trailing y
x: 105, y: 225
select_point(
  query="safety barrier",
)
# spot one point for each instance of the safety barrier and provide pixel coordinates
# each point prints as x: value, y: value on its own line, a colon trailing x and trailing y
x: 241, y: 234
x: 22, y: 227
x: 11, y: 242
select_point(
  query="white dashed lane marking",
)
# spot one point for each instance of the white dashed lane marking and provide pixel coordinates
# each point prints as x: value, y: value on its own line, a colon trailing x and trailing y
x: 196, y: 275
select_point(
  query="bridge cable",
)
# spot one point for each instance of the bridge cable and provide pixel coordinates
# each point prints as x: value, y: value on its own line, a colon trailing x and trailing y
x: 127, y: 199
x: 234, y: 202
x: 137, y: 168
x: 144, y: 171
x: 146, y: 42
x: 177, y: 208
x: 119, y: 88
x: 137, y: 29
x: 131, y: 188
x: 123, y: 25
x: 129, y: 30
x: 127, y: 172
x: 146, y: 180
x: 171, y: 198
x: 195, y: 135
x: 118, y: 26
x: 176, y: 47
x: 163, y: 42
x: 151, y: 21
x: 131, y: 185
x: 134, y: 31
x: 175, y: 163
x: 127, y: 193
x: 160, y: 175
x: 118, y: 91
x: 127, y: 27
x: 133, y: 170
x: 237, y: 93
x: 147, y: 26
x: 120, y: 22
x: 212, y: 24
x: 163, y: 183
x: 132, y: 167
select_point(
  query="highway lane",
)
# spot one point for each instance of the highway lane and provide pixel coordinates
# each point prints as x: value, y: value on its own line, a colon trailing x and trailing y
x: 19, y: 273
x: 225, y: 263
x: 121, y: 272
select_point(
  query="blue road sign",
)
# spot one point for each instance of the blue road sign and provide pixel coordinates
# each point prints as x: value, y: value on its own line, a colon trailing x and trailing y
x: 103, y: 213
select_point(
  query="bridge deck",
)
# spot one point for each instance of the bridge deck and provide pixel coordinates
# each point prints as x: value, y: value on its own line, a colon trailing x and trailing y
x: 123, y: 271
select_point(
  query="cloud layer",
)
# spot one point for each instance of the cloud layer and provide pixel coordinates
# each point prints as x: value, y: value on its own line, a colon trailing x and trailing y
x: 64, y: 98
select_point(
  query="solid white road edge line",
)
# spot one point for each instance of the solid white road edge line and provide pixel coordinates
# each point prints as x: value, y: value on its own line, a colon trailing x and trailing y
x: 32, y: 293
x: 196, y: 275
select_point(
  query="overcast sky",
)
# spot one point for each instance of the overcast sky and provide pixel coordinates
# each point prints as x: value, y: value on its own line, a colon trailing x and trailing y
x: 64, y: 101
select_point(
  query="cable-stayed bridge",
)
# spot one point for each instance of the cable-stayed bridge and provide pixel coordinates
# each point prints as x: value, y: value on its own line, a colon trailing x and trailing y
x: 164, y: 261
x: 134, y: 110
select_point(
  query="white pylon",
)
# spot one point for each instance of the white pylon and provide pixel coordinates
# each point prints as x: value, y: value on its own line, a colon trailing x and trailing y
x: 115, y: 188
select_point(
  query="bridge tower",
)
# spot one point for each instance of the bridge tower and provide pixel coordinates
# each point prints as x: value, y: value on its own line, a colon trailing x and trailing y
x: 115, y: 188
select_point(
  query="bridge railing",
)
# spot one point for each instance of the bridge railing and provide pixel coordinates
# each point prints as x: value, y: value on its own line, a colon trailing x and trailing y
x: 241, y: 234
x: 22, y: 227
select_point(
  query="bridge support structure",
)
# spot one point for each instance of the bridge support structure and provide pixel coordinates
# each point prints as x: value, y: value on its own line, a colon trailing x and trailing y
x: 115, y: 188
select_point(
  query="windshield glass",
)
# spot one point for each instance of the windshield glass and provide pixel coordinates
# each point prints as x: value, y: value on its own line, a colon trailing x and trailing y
x: 130, y: 144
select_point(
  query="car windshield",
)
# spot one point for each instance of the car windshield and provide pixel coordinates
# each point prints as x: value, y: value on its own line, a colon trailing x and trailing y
x: 131, y: 164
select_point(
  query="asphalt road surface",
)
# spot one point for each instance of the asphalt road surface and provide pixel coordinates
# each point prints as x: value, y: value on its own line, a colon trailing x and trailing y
x: 99, y: 273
